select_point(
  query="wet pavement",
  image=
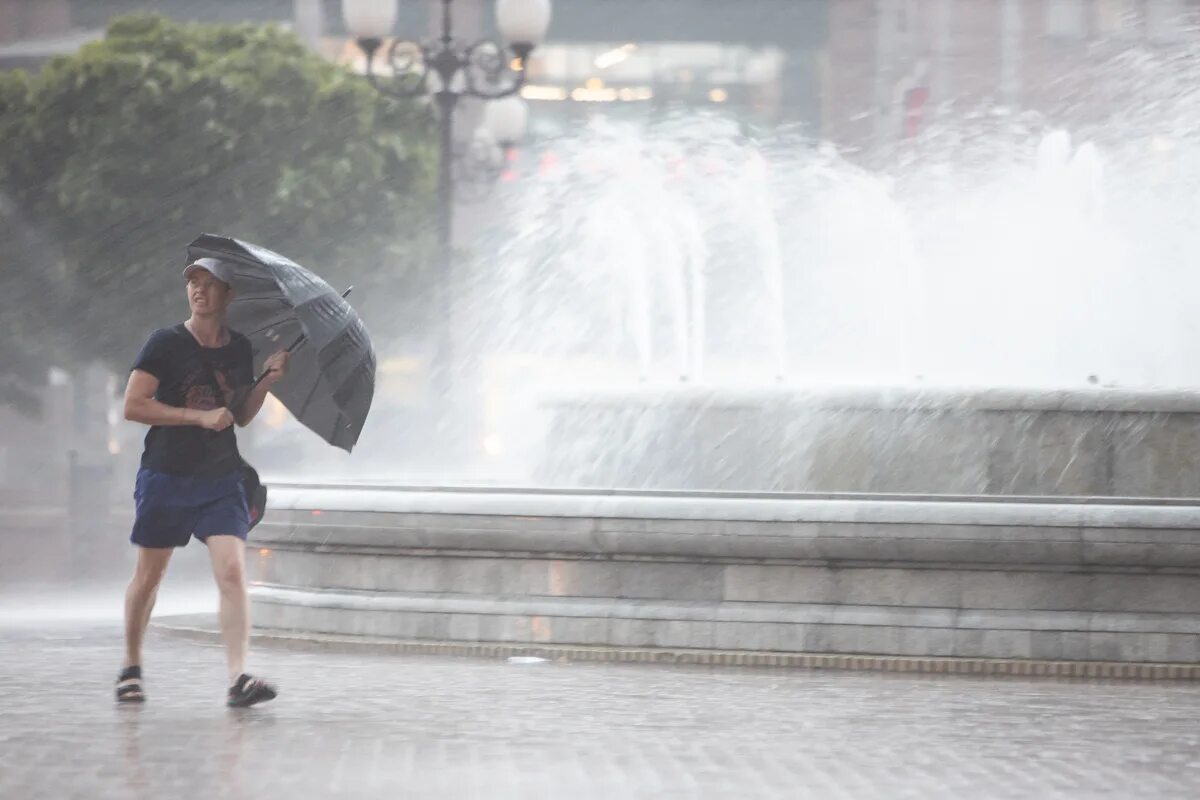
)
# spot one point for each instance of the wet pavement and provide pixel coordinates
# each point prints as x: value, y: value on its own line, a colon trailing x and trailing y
x: 361, y: 725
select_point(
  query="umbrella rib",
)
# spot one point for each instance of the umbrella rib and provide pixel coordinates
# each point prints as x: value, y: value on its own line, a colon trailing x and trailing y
x: 308, y: 398
x: 337, y: 427
x: 268, y: 326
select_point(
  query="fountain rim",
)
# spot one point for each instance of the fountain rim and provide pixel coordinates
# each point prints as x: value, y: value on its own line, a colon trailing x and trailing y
x: 895, y: 397
x: 989, y: 510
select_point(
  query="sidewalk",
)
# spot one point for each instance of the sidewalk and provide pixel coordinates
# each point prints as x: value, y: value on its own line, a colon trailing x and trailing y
x: 372, y: 725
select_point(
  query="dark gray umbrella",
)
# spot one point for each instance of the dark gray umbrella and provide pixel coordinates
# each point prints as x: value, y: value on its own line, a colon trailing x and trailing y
x: 280, y: 305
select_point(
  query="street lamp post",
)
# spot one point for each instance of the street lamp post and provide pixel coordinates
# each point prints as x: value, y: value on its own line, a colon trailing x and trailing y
x: 447, y: 70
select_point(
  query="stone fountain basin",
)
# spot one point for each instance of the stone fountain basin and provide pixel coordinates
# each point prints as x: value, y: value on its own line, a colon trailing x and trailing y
x: 926, y: 440
x: 1024, y: 578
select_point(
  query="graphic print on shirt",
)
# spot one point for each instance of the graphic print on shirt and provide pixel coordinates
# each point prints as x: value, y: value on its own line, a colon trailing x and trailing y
x: 198, y: 389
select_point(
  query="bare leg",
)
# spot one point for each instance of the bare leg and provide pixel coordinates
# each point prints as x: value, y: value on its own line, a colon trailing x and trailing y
x: 228, y: 554
x: 139, y: 599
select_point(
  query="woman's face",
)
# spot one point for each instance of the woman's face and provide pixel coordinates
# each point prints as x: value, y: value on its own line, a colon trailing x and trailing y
x: 207, y: 296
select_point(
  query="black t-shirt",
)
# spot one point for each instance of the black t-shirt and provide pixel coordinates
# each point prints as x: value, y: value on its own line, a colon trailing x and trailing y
x: 189, y: 376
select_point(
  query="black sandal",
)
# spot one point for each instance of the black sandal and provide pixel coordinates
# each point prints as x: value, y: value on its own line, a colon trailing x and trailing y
x: 129, y: 686
x: 248, y: 691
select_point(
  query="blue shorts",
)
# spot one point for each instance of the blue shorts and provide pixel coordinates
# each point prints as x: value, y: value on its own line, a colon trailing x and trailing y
x: 173, y: 508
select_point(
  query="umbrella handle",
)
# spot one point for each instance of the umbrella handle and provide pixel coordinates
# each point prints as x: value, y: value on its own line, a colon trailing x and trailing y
x: 288, y: 349
x: 295, y: 344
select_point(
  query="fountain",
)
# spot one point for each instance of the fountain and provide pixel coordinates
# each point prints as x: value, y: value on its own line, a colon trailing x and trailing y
x: 800, y: 423
x: 918, y: 417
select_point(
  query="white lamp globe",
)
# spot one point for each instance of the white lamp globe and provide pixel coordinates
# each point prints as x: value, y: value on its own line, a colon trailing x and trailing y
x: 506, y: 119
x: 523, y: 22
x: 369, y: 19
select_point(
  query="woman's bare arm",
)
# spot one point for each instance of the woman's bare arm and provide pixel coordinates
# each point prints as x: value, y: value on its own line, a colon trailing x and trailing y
x: 140, y: 406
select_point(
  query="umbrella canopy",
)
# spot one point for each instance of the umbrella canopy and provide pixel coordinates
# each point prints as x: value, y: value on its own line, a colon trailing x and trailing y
x: 277, y: 304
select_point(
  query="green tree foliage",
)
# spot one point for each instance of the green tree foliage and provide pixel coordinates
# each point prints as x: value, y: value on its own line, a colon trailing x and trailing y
x: 26, y: 303
x: 128, y: 149
x: 25, y: 299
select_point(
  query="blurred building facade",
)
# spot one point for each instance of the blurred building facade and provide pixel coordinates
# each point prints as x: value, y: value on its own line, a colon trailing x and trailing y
x: 858, y: 73
x: 894, y: 67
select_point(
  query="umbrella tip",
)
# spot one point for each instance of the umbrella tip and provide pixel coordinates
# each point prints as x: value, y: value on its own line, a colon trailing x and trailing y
x: 349, y: 289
